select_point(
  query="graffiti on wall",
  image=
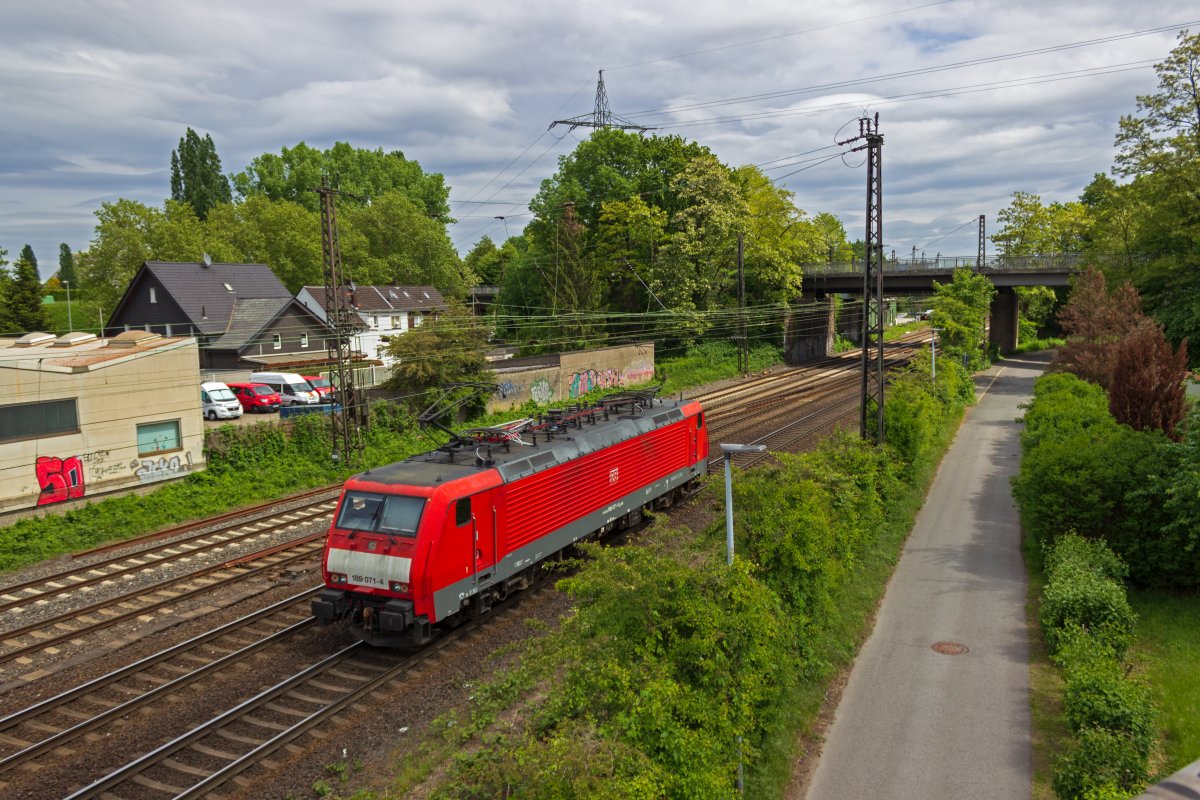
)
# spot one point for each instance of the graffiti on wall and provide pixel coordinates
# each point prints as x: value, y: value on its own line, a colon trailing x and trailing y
x: 59, y: 478
x: 98, y: 464
x: 541, y: 391
x: 588, y: 380
x: 150, y: 470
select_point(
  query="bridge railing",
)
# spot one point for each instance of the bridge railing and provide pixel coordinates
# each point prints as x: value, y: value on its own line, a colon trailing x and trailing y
x: 1050, y: 262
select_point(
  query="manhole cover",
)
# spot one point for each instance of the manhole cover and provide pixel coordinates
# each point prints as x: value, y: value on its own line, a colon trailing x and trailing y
x: 950, y: 648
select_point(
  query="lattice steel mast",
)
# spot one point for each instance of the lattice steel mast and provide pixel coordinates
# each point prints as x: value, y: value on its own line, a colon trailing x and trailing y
x: 601, y: 116
x: 982, y: 246
x: 871, y: 411
x: 347, y: 413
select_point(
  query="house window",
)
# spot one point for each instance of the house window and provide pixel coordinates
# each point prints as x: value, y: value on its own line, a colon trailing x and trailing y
x: 32, y: 420
x: 153, y: 295
x: 158, y: 437
x: 277, y: 341
x: 304, y: 340
x: 374, y: 322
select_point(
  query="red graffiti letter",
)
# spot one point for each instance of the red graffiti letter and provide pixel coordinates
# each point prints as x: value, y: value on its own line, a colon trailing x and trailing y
x: 60, y: 479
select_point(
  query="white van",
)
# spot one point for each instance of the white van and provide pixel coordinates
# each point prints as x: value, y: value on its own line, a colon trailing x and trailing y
x: 218, y: 402
x: 293, y: 390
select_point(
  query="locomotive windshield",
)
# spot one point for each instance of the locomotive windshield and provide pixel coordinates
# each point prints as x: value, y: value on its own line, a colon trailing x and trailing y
x: 381, y: 513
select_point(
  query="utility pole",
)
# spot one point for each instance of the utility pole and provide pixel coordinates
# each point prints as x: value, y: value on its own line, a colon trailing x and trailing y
x: 871, y: 411
x: 601, y: 116
x: 743, y: 345
x: 346, y: 413
x: 982, y: 246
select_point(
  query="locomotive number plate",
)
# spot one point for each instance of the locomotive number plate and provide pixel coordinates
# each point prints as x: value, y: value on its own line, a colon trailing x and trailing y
x: 368, y: 580
x: 613, y: 475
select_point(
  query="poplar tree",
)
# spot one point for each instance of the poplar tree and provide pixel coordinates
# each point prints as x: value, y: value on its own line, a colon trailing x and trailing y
x: 196, y: 177
x: 66, y: 265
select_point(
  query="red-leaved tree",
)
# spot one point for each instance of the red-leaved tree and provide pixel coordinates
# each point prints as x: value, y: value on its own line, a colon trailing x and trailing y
x: 1147, y: 389
x: 1096, y: 322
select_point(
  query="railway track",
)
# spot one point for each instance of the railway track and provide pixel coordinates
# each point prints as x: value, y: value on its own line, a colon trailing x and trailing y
x: 40, y: 729
x: 197, y: 763
x: 17, y: 598
x: 75, y: 626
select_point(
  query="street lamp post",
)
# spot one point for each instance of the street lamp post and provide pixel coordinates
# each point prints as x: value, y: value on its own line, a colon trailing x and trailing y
x: 70, y: 323
x: 933, y: 353
x: 728, y: 451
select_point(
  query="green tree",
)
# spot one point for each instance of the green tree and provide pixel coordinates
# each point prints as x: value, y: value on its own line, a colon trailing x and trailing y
x: 484, y: 262
x: 6, y: 321
x: 284, y: 235
x: 293, y: 173
x: 1165, y: 134
x: 448, y: 348
x: 960, y: 309
x: 1030, y: 228
x: 27, y: 255
x: 24, y: 295
x: 196, y: 177
x: 66, y: 264
x: 392, y: 241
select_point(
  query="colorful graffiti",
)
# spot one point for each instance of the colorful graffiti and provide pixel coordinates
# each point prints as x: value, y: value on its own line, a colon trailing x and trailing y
x: 150, y: 470
x: 541, y: 391
x: 59, y: 478
x: 590, y: 379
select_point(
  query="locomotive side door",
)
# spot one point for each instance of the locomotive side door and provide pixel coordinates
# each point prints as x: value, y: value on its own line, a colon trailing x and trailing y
x: 474, y: 517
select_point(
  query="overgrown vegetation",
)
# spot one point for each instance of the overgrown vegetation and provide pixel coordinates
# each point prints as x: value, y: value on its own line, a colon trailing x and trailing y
x: 1088, y: 623
x: 674, y: 666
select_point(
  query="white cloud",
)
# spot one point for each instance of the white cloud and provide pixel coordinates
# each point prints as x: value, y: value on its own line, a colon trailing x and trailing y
x: 96, y: 94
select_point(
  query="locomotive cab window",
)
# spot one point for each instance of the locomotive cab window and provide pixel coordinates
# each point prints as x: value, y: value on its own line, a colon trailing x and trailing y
x: 382, y: 513
x: 462, y: 511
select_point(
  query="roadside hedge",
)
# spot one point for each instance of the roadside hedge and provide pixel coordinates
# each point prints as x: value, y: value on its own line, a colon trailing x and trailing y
x: 1135, y: 490
x: 1088, y: 624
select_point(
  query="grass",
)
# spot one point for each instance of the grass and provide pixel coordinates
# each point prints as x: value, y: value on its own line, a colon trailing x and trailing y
x: 1037, y: 345
x: 1167, y: 655
x: 84, y: 316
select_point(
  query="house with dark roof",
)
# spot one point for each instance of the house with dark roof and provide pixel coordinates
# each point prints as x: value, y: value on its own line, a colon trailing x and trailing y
x: 242, y: 315
x: 385, y: 311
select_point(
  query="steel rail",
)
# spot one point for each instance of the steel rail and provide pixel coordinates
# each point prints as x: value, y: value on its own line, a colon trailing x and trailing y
x: 108, y: 622
x: 388, y: 672
x: 140, y: 665
x: 154, y: 558
x: 187, y: 527
x: 66, y: 735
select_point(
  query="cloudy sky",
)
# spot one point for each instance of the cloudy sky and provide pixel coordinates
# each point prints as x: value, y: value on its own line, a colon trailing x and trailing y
x: 976, y: 99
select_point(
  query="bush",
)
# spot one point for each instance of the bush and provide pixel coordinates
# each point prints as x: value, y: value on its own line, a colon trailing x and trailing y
x: 1074, y: 551
x: 1078, y: 598
x: 1097, y: 695
x: 1099, y: 764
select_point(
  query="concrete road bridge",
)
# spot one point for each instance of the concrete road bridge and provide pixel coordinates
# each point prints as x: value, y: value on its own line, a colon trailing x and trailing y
x: 916, y: 276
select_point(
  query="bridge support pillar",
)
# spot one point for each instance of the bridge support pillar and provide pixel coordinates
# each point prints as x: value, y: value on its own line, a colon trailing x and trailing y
x: 849, y: 324
x: 809, y: 333
x: 1005, y: 324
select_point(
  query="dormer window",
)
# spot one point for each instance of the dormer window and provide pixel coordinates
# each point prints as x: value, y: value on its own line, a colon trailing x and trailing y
x: 153, y: 295
x: 228, y: 288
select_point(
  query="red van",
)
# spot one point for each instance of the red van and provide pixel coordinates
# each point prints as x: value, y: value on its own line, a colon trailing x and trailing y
x: 256, y: 397
x: 322, y: 386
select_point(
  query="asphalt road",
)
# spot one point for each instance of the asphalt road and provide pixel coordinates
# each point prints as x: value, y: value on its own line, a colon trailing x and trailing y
x: 914, y: 722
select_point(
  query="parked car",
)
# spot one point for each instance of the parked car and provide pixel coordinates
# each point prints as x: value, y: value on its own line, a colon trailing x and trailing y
x: 292, y: 389
x: 322, y: 386
x: 256, y: 397
x: 218, y: 402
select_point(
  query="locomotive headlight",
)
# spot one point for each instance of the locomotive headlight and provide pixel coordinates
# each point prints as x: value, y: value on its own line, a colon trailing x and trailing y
x: 337, y: 577
x: 399, y: 588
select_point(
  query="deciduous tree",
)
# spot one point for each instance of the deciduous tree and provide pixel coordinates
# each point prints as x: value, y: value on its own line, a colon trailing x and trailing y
x: 448, y: 348
x: 1147, y: 385
x: 1095, y: 321
x: 196, y: 177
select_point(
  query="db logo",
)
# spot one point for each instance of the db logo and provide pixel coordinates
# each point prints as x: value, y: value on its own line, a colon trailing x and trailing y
x: 612, y: 475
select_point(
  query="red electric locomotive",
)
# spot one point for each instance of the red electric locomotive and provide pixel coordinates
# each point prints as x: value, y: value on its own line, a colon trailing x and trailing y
x: 445, y: 534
